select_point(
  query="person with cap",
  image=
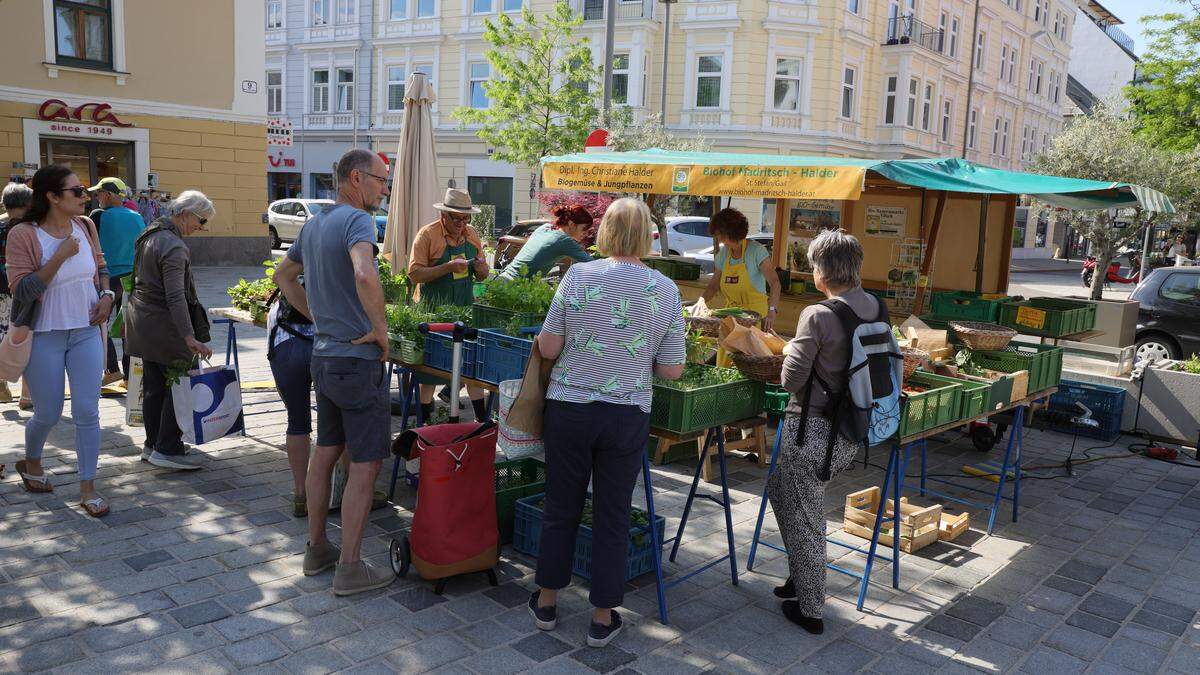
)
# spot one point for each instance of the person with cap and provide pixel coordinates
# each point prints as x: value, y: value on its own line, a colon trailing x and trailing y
x: 119, y: 228
x: 445, y: 261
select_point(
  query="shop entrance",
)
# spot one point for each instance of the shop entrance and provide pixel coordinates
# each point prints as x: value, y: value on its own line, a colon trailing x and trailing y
x: 90, y: 160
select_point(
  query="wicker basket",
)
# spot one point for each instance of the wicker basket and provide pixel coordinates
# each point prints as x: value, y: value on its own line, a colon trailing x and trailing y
x: 709, y: 326
x: 913, y: 359
x: 767, y: 369
x: 978, y: 335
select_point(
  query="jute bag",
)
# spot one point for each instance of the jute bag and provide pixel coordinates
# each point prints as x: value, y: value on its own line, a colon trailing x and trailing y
x: 526, y: 412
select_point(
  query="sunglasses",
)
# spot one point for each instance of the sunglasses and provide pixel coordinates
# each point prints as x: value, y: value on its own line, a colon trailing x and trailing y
x: 77, y: 190
x: 382, y: 179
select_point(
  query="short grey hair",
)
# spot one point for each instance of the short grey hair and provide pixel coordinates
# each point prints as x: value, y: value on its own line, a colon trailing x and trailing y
x: 193, y: 202
x: 354, y: 160
x: 17, y: 196
x: 838, y: 257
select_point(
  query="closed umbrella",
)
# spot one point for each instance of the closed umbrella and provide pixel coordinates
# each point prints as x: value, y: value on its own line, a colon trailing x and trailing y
x: 414, y: 181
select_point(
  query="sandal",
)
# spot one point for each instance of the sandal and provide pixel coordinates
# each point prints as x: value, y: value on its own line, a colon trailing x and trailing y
x: 95, y: 507
x: 32, y: 483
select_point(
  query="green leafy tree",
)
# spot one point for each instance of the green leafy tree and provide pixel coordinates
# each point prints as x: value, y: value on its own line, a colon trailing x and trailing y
x: 1166, y: 98
x: 543, y: 87
x: 1105, y: 146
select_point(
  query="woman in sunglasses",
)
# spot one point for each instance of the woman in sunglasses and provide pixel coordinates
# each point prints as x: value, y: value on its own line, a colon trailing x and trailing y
x: 60, y: 293
x: 165, y: 324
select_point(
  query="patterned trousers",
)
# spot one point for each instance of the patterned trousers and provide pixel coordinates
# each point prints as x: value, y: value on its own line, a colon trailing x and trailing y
x: 798, y: 500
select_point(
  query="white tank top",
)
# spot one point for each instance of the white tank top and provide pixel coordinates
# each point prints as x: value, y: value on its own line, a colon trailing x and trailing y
x: 71, y: 295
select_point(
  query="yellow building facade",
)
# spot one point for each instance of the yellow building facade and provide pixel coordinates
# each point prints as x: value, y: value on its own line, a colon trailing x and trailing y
x: 889, y: 79
x: 164, y: 95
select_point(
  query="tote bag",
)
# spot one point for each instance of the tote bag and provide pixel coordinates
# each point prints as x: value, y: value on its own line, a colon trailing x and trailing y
x: 133, y: 393
x: 208, y: 404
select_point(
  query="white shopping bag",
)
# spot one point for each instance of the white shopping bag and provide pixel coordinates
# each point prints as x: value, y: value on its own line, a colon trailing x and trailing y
x: 133, y: 393
x: 208, y: 404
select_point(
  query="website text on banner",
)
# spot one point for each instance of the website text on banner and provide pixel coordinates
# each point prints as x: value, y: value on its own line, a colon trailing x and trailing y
x: 784, y: 182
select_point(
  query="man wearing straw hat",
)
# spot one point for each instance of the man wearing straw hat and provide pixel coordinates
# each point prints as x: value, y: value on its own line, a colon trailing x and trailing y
x: 445, y: 261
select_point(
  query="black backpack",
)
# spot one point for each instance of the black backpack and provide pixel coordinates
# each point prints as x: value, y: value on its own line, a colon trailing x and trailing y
x: 285, y: 317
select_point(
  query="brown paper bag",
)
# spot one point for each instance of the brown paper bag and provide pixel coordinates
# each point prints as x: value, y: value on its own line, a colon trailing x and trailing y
x: 526, y: 412
x: 747, y: 341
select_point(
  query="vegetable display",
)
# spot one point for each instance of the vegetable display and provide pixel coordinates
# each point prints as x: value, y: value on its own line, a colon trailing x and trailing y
x: 395, y: 286
x: 696, y: 376
x: 524, y: 294
x: 403, y: 320
x: 253, y: 296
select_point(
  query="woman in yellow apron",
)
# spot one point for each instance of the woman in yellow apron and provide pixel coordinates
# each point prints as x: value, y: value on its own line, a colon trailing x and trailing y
x: 744, y: 275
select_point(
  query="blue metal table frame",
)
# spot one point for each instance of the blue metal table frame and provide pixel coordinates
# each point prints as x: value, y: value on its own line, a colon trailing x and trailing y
x: 717, y: 432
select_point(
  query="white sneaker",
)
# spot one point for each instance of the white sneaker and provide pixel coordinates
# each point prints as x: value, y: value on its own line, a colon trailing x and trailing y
x: 178, y: 462
x: 337, y: 485
x: 146, y: 452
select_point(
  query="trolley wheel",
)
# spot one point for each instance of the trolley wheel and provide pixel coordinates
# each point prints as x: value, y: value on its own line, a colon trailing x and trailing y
x: 983, y: 438
x: 491, y: 575
x: 400, y: 556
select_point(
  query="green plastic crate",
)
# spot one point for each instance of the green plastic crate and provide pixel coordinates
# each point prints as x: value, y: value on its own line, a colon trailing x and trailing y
x: 935, y: 321
x: 976, y: 396
x: 1044, y: 363
x: 1049, y: 317
x: 682, y: 411
x: 937, y: 405
x: 486, y: 316
x: 678, y: 270
x: 516, y: 479
x: 967, y: 305
x: 408, y: 350
x: 1000, y: 391
x: 775, y: 400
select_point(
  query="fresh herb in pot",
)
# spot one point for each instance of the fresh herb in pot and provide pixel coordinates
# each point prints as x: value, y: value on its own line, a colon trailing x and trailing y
x: 696, y: 376
x: 531, y: 295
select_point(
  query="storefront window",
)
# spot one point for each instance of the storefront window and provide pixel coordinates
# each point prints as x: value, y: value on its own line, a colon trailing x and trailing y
x: 323, y: 186
x: 1018, y: 235
x: 83, y: 32
x: 283, y: 186
x: 91, y: 161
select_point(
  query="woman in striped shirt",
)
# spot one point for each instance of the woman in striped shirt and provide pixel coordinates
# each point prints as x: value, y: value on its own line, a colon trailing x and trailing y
x: 614, y: 324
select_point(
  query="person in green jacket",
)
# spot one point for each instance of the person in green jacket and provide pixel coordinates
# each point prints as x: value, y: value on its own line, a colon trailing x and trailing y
x: 561, y: 238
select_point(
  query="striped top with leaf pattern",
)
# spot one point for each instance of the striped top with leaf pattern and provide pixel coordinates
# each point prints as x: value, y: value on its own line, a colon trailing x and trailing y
x: 618, y: 320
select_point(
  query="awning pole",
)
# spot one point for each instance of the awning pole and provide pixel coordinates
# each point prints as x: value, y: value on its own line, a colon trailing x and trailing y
x: 927, y: 261
x: 983, y: 217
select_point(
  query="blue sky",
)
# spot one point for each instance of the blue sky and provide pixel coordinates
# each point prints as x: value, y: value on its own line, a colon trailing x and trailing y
x: 1131, y: 12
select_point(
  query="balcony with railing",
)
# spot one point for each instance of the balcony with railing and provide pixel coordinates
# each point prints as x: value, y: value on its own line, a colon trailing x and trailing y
x: 331, y: 32
x: 337, y: 120
x: 595, y: 10
x: 905, y: 30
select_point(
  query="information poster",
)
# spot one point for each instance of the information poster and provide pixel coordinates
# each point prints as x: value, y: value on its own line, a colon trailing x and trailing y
x: 886, y: 221
x: 813, y: 215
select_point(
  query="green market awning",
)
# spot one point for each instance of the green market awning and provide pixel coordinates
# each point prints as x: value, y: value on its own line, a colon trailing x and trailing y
x: 657, y: 171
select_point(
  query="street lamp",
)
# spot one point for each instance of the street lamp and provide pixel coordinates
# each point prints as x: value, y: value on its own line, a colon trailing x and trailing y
x: 666, y: 45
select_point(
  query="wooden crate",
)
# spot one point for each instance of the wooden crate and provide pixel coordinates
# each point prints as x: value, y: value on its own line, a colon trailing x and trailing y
x: 951, y: 526
x: 918, y: 525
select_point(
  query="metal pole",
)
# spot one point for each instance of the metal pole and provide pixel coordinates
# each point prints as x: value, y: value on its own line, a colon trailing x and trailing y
x: 983, y: 218
x: 666, y: 49
x: 354, y: 103
x: 1146, y: 251
x: 971, y: 79
x: 610, y: 30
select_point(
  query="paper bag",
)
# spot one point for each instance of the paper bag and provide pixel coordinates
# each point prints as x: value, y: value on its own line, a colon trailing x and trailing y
x: 747, y: 341
x: 526, y: 412
x: 208, y: 404
x: 133, y: 392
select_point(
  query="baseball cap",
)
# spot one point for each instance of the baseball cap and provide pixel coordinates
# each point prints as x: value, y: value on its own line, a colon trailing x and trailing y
x: 113, y: 185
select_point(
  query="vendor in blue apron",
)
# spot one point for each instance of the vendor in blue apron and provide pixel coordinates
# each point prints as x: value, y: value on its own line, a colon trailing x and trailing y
x: 744, y: 276
x: 446, y: 259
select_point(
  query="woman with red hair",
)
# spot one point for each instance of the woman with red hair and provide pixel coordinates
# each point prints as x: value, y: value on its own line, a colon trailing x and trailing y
x: 561, y: 238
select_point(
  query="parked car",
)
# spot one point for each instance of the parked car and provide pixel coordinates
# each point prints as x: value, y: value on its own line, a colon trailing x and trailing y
x: 705, y: 257
x: 1167, y: 327
x: 285, y: 217
x: 686, y: 234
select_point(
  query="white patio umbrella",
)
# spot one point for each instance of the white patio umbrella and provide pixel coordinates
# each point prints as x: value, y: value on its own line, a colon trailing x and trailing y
x: 414, y: 181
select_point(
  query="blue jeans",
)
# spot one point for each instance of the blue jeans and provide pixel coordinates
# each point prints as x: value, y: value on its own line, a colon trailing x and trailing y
x: 79, y: 353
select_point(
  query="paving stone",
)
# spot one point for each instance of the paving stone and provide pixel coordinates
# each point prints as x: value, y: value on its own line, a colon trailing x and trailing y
x: 986, y: 654
x: 1106, y: 606
x: 1076, y: 641
x: 976, y: 610
x: 314, y: 631
x: 417, y: 598
x: 375, y: 640
x: 486, y: 634
x: 604, y: 659
x: 428, y: 654
x: 1135, y: 655
x: 1093, y: 624
x: 266, y: 518
x: 1157, y: 621
x: 49, y: 654
x: 254, y: 651
x: 17, y: 612
x: 1082, y: 571
x: 1051, y: 600
x: 315, y: 661
x: 1152, y: 637
x: 200, y: 613
x: 541, y: 646
x: 509, y: 595
x: 1067, y: 585
x: 953, y: 627
x: 1046, y: 660
x: 841, y: 656
x: 254, y: 623
x: 1015, y: 633
x: 1171, y: 609
x: 106, y: 638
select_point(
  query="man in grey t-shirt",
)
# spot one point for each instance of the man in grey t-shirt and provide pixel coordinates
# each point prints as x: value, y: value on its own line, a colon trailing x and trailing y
x: 341, y: 293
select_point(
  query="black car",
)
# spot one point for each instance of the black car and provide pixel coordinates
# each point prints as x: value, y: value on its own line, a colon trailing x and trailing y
x: 1169, y: 316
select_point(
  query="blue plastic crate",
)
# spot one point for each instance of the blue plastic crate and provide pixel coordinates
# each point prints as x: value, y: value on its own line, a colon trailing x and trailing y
x: 1106, y: 403
x: 439, y: 353
x: 527, y: 537
x: 500, y: 356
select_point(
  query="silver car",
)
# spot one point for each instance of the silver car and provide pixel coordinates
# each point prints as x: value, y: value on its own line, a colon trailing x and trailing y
x: 686, y: 234
x: 285, y: 217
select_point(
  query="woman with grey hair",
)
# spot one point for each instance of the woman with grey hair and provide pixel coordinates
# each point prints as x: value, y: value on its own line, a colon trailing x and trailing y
x: 16, y: 199
x: 165, y: 324
x: 814, y: 373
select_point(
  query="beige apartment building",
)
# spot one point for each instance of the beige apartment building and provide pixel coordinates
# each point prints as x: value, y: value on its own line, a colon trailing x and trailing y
x: 163, y: 94
x: 888, y: 78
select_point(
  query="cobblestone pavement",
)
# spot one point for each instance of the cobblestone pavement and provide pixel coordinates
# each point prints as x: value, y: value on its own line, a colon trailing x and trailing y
x: 200, y: 572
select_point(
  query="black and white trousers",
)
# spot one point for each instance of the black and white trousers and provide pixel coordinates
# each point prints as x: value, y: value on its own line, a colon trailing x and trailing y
x: 798, y: 499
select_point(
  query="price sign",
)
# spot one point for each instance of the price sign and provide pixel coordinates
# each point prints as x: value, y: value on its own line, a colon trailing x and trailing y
x: 1031, y: 317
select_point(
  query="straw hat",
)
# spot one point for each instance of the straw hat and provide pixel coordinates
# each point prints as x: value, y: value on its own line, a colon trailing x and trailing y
x: 456, y: 201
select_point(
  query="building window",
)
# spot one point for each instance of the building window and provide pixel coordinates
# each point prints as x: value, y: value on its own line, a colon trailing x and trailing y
x: 481, y: 6
x: 620, y: 79
x: 1013, y: 60
x: 980, y: 51
x: 345, y: 90
x: 479, y: 73
x: 1004, y: 140
x: 914, y: 85
x: 972, y: 119
x: 320, y: 12
x: 927, y: 107
x: 398, y: 9
x: 395, y: 88
x: 709, y: 73
x: 320, y: 91
x: 849, y: 76
x: 947, y: 111
x: 425, y: 8
x: 889, y: 101
x: 83, y: 33
x: 787, y: 84
x: 345, y: 11
x: 953, y: 37
x: 1055, y: 86
x: 1003, y: 61
x: 1037, y: 80
x: 943, y: 30
x: 996, y: 137
x: 512, y: 5
x: 1037, y: 11
x: 274, y: 92
x: 852, y: 6
x: 274, y: 14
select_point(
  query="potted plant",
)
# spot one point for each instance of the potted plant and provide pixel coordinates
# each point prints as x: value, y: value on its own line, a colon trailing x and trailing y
x: 513, y: 303
x: 403, y: 321
x: 255, y: 296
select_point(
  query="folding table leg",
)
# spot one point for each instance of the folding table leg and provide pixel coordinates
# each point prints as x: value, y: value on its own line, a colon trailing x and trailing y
x: 687, y: 506
x: 1019, y: 430
x: 1018, y: 420
x: 655, y: 544
x: 725, y: 504
x: 924, y: 447
x: 893, y: 461
x: 762, y: 505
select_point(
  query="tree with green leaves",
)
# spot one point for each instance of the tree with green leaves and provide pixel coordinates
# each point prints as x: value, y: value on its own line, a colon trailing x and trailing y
x: 1166, y: 98
x: 542, y: 90
x: 1105, y: 146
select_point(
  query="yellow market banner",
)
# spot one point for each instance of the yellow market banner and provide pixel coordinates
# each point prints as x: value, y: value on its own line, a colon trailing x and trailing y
x: 781, y: 182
